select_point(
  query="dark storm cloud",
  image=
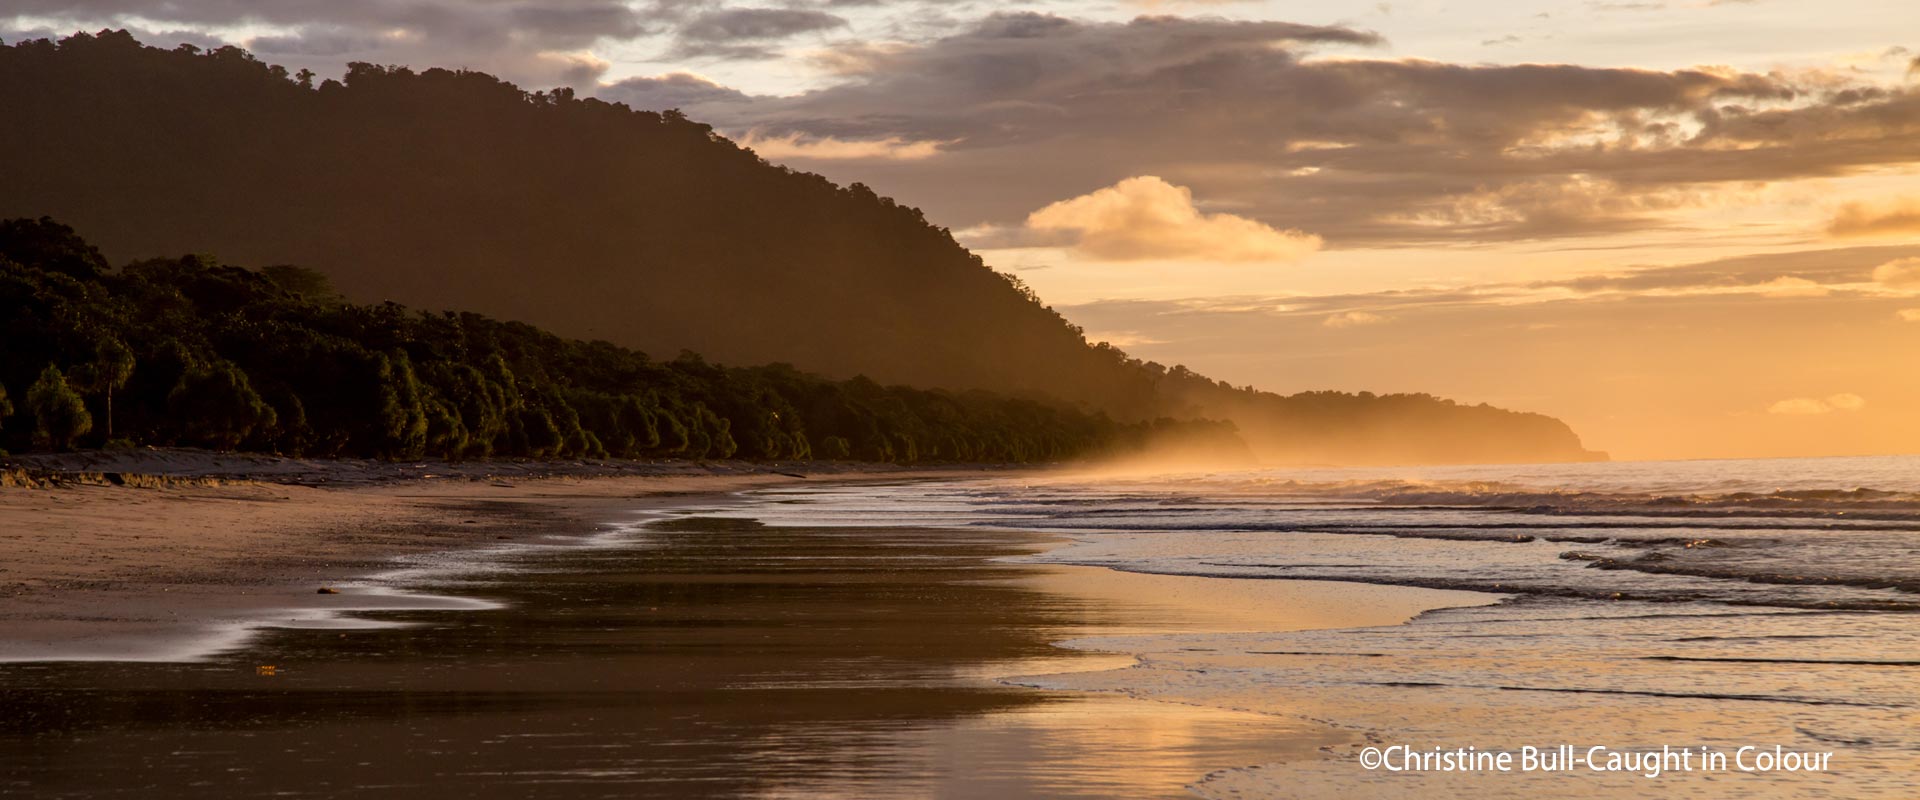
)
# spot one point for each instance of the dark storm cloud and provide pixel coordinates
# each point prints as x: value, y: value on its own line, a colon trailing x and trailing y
x: 1018, y: 77
x: 533, y: 41
x: 748, y: 32
x: 560, y: 22
x: 1032, y: 108
x: 316, y: 41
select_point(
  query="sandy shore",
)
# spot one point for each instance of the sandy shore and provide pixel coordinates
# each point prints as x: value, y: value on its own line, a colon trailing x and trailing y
x: 159, y: 554
x: 705, y: 656
x: 701, y: 656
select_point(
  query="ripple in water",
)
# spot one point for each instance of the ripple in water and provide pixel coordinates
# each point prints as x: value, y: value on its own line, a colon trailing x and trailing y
x: 1703, y: 603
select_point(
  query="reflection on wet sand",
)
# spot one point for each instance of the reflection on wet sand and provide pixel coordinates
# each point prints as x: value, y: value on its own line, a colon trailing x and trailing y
x: 715, y: 657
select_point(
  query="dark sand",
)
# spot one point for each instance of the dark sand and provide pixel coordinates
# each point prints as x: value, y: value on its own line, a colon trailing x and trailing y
x: 203, y: 544
x: 700, y: 657
x: 715, y: 658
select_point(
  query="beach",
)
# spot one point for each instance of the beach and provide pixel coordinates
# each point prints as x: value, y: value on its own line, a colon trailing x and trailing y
x: 146, y: 554
x: 627, y: 634
x: 966, y: 633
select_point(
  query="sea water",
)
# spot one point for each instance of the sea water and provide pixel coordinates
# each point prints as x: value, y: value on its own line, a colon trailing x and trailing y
x: 1629, y: 608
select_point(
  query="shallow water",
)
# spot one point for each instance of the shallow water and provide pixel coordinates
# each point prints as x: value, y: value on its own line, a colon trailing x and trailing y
x: 1714, y: 604
x: 699, y: 659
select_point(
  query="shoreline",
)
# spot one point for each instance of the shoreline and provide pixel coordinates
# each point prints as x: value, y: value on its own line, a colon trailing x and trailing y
x: 176, y: 467
x: 178, y: 555
x: 903, y: 653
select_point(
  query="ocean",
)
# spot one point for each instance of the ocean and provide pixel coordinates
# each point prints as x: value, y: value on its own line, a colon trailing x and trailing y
x: 1634, y: 606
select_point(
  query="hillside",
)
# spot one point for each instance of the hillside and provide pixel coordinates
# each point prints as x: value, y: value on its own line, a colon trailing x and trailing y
x: 454, y: 190
x: 186, y: 351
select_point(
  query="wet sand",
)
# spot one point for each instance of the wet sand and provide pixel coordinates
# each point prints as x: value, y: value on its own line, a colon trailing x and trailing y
x: 703, y: 658
x: 94, y: 570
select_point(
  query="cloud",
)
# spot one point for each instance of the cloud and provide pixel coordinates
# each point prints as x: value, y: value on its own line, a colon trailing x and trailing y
x: 1900, y: 273
x: 748, y: 32
x: 1125, y: 338
x: 792, y: 146
x: 673, y: 90
x: 1908, y: 314
x: 1791, y: 287
x: 1742, y: 274
x: 1029, y: 108
x: 1038, y: 107
x: 1661, y: 296
x: 1349, y: 319
x: 1810, y: 406
x: 1847, y: 402
x: 1146, y: 217
x: 1859, y: 219
x: 540, y: 43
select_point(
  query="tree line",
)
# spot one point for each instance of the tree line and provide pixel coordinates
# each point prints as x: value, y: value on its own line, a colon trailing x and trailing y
x: 187, y: 351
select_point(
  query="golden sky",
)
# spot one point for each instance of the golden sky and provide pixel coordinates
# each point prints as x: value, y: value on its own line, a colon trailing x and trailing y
x: 1687, y: 227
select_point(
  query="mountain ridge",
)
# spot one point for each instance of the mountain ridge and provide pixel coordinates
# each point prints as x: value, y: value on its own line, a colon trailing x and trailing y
x: 455, y: 190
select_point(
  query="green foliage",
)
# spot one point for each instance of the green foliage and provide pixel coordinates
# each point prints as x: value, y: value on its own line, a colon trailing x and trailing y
x: 231, y: 358
x: 835, y: 448
x: 217, y: 407
x: 108, y: 371
x: 59, y: 414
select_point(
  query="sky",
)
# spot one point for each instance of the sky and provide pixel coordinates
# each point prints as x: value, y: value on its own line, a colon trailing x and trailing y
x: 1689, y: 228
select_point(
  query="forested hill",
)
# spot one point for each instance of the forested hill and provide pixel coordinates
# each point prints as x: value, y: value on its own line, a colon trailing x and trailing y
x: 186, y: 351
x: 454, y: 190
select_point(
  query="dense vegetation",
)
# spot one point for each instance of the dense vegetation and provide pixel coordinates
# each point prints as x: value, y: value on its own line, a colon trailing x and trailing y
x: 455, y: 190
x: 186, y: 351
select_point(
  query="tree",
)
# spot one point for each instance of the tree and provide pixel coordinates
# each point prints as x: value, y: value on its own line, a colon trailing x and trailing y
x: 402, y: 419
x: 6, y: 407
x: 835, y: 448
x: 59, y: 413
x: 311, y: 284
x: 218, y: 405
x: 108, y: 372
x: 336, y: 378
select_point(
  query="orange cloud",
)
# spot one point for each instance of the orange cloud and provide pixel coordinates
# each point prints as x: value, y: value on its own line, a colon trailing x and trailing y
x: 1810, y: 406
x: 1788, y: 286
x: 1859, y: 219
x: 1352, y: 318
x: 827, y: 148
x: 1147, y: 218
x: 1900, y: 273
